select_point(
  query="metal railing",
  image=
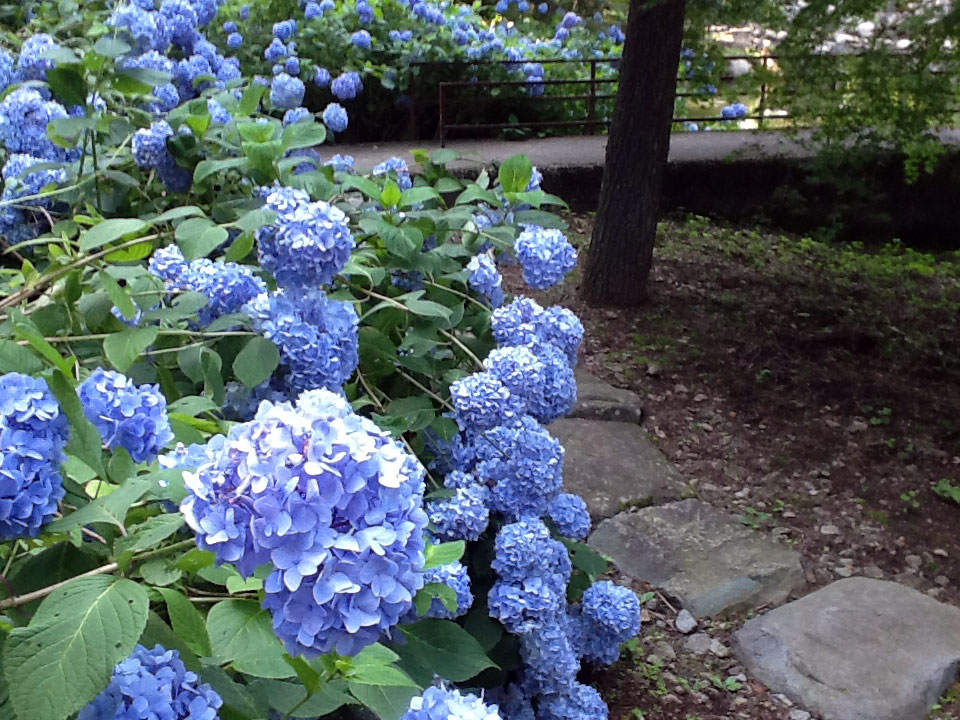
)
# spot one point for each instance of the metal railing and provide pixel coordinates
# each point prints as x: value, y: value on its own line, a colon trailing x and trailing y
x: 447, y: 91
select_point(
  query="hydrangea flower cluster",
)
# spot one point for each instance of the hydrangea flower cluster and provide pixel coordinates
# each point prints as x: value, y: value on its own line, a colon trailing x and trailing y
x: 335, y: 118
x: 482, y: 402
x: 308, y: 243
x: 454, y: 575
x: 736, y: 111
x: 524, y: 322
x: 227, y: 286
x: 286, y: 91
x: 486, y: 279
x: 24, y: 116
x: 570, y: 515
x: 317, y: 336
x: 346, y: 86
x: 464, y: 516
x: 441, y: 703
x: 545, y: 255
x: 31, y: 64
x: 33, y: 434
x: 332, y: 503
x: 150, y: 152
x: 19, y: 182
x: 154, y: 684
x: 610, y: 615
x: 397, y: 165
x: 126, y: 415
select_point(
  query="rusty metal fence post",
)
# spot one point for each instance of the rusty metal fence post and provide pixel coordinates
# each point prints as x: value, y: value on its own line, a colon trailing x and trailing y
x: 592, y: 101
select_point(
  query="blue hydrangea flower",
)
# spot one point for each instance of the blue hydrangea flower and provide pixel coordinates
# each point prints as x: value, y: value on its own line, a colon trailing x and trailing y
x: 545, y: 255
x: 286, y: 92
x: 291, y: 66
x: 481, y: 402
x: 332, y: 503
x: 308, y: 243
x: 312, y: 10
x: 342, y: 163
x: 230, y: 27
x: 516, y: 323
x: 143, y: 29
x: 218, y: 113
x: 570, y: 515
x: 168, y: 264
x: 17, y: 224
x: 343, y: 87
x: 610, y: 615
x: 398, y: 166
x: 284, y: 29
x: 365, y: 12
x: 30, y: 63
x: 486, y: 279
x: 275, y: 51
x: 321, y: 77
x: 188, y: 72
x: 7, y: 72
x: 441, y: 703
x: 455, y: 576
x: 577, y: 702
x: 235, y: 41
x: 571, y: 20
x: 514, y: 702
x: 550, y: 660
x: 562, y: 328
x: 240, y: 403
x: 154, y: 684
x: 24, y: 117
x: 150, y: 152
x: 524, y: 465
x: 313, y: 160
x: 245, y: 12
x: 206, y: 11
x: 297, y: 115
x: 335, y: 117
x: 33, y: 434
x: 181, y: 21
x: 317, y: 336
x: 463, y: 517
x: 559, y: 390
x: 456, y: 479
x: 519, y: 369
x: 126, y: 415
x: 542, y: 8
x: 361, y: 39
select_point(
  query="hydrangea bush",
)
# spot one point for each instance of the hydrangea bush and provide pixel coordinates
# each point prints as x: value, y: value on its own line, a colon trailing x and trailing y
x: 272, y: 434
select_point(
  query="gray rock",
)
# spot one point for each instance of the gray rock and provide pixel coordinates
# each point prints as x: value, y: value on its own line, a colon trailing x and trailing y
x: 685, y: 622
x: 799, y: 715
x: 700, y: 555
x: 665, y: 650
x: 719, y: 649
x: 698, y: 644
x: 613, y: 465
x: 858, y: 649
x: 597, y: 400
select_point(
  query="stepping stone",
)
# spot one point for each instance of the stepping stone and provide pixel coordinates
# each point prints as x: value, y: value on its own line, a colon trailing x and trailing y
x: 613, y: 465
x: 703, y: 557
x: 858, y: 649
x: 597, y: 400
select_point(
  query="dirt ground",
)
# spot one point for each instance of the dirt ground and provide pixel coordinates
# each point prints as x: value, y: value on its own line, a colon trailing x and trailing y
x: 811, y: 389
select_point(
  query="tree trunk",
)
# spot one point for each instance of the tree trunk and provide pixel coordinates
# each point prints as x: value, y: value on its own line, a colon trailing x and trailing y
x: 621, y: 249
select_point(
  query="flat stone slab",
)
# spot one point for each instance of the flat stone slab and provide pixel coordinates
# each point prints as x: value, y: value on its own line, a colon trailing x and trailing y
x: 858, y: 649
x: 613, y: 465
x: 598, y: 400
x: 702, y: 556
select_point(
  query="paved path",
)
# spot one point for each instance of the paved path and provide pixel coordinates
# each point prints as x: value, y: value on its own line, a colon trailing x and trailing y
x: 588, y: 150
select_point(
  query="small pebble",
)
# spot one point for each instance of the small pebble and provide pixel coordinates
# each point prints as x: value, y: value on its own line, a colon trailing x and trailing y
x: 913, y: 561
x: 665, y: 650
x: 698, y: 643
x: 799, y: 715
x: 686, y: 622
x: 844, y: 571
x: 829, y: 530
x: 719, y: 649
x: 940, y: 552
x: 782, y: 699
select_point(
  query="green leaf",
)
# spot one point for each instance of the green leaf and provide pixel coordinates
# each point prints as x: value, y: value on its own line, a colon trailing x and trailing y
x: 120, y: 466
x: 251, y: 98
x: 121, y: 298
x: 159, y: 572
x: 427, y: 308
x: 178, y: 213
x: 239, y: 248
x: 305, y: 673
x: 515, y: 173
x: 240, y: 699
x: 256, y: 219
x: 157, y: 632
x: 85, y: 440
x: 111, y: 47
x: 284, y: 696
x: 389, y: 703
x: 187, y: 621
x: 242, y: 633
x: 364, y: 185
x: 108, y: 231
x: 391, y: 194
x: 302, y: 135
x: 541, y: 218
x: 381, y: 675
x: 192, y: 405
x: 474, y: 192
x: 448, y: 185
x: 68, y: 85
x: 130, y: 254
x: 27, y: 331
x: 123, y: 348
x: 433, y: 644
x: 198, y: 237
x: 428, y: 592
x: 206, y: 168
x: 16, y: 358
x: 375, y: 654
x: 256, y: 362
x: 110, y: 508
x: 443, y: 554
x: 442, y: 156
x: 585, y: 558
x: 149, y: 77
x: 149, y: 533
x: 395, y: 240
x: 66, y: 655
x: 418, y: 194
x: 256, y: 132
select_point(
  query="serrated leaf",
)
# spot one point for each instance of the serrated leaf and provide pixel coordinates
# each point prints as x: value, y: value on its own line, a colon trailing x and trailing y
x: 206, y: 168
x: 85, y: 440
x: 256, y: 362
x: 149, y: 533
x: 124, y: 348
x: 16, y: 358
x: 418, y: 194
x: 443, y: 554
x: 111, y: 47
x: 66, y: 655
x: 120, y: 296
x: 108, y: 231
x: 110, y: 508
x: 187, y: 621
x: 389, y: 703
x: 285, y: 696
x: 242, y: 633
x: 157, y: 632
x: 303, y: 135
x: 381, y: 676
x: 428, y: 592
x: 68, y: 85
x: 391, y: 194
x: 435, y: 643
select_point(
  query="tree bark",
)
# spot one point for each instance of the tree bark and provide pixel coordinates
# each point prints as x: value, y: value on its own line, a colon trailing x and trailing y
x: 621, y: 249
